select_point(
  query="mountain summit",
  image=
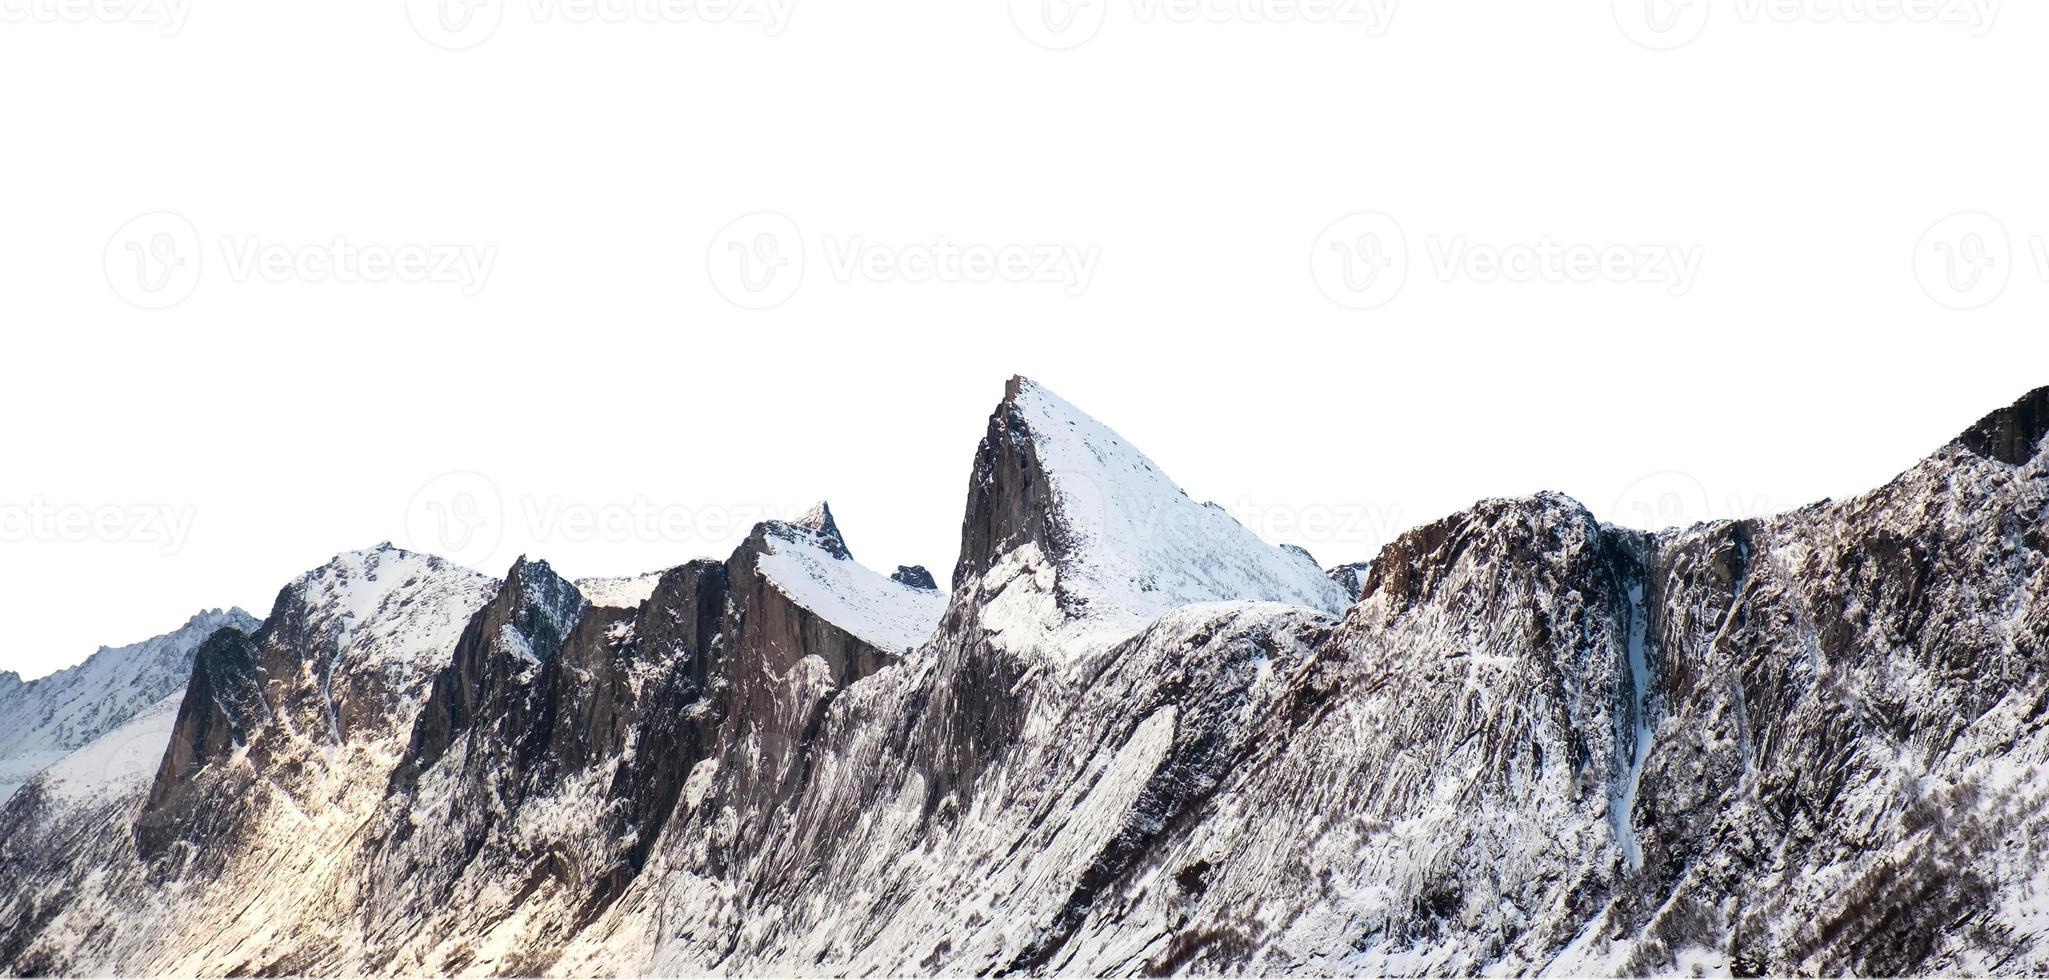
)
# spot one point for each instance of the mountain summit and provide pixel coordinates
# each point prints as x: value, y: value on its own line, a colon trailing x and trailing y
x: 1123, y: 543
x: 1133, y: 739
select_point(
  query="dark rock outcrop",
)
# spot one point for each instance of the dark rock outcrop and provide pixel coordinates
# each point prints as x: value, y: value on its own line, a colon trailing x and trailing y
x: 1352, y: 577
x: 915, y: 576
x: 222, y: 709
x: 1806, y: 743
x: 2012, y: 434
x: 1010, y: 500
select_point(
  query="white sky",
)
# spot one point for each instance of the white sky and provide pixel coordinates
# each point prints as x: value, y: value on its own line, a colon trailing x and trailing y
x: 600, y: 366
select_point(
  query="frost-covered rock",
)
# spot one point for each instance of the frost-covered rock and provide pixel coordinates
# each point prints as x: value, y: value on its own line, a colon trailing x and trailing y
x: 1133, y: 739
x: 43, y: 720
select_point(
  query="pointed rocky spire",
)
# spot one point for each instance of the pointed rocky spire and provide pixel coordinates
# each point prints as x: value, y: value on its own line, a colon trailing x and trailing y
x: 1127, y: 541
x: 1010, y: 498
x: 539, y: 606
x: 816, y: 524
x: 2012, y: 434
x: 914, y: 576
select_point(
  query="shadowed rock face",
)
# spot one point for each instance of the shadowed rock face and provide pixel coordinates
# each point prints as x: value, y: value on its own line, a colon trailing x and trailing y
x: 2013, y: 434
x: 914, y: 576
x: 602, y: 727
x: 1010, y: 501
x: 1808, y: 743
x: 494, y: 663
x: 223, y: 706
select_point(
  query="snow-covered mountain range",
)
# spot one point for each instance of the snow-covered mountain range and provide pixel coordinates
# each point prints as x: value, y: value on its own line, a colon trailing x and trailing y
x: 1132, y: 738
x: 43, y: 720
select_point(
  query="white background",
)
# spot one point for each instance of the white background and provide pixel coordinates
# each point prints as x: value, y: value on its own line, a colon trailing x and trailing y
x: 601, y: 366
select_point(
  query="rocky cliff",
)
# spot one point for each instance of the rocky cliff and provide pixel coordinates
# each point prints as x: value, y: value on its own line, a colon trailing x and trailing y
x: 1132, y: 739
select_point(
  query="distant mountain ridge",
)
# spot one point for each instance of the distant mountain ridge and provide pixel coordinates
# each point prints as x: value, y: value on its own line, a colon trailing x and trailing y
x: 1133, y: 739
x: 43, y: 720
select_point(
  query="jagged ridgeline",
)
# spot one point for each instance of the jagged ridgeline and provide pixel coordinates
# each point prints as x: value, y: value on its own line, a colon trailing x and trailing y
x: 1131, y: 738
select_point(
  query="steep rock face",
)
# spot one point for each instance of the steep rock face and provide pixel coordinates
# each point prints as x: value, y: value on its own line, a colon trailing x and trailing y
x: 534, y: 814
x: 1073, y: 539
x: 1352, y: 577
x: 222, y: 708
x: 501, y: 650
x: 1133, y: 740
x: 43, y: 720
x: 914, y: 576
x: 1847, y: 777
x: 225, y: 860
x: 338, y: 664
x: 2011, y: 435
x: 962, y: 810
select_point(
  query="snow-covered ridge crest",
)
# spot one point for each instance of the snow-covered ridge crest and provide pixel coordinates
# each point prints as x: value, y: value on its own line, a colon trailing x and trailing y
x: 378, y: 623
x: 43, y: 719
x: 1125, y: 542
x: 808, y: 561
x: 627, y: 592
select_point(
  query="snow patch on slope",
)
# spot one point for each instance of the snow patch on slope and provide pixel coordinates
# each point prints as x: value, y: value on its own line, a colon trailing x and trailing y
x: 884, y: 613
x: 121, y: 761
x: 410, y: 608
x: 43, y: 720
x: 1640, y: 742
x: 1138, y: 544
x: 619, y: 593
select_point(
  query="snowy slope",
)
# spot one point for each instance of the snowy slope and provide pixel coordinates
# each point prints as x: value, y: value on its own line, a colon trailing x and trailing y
x: 122, y: 761
x: 1140, y: 544
x: 626, y: 592
x: 809, y: 563
x: 43, y: 719
x: 1808, y: 744
x: 1074, y: 539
